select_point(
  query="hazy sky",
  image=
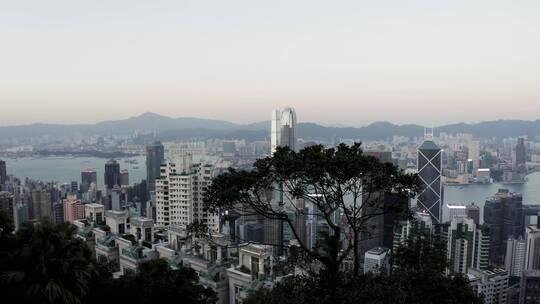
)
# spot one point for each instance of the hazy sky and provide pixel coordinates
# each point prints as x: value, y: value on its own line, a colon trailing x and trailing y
x: 346, y: 62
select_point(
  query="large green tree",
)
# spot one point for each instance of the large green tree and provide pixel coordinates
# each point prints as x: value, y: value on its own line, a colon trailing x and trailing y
x: 46, y: 263
x: 341, y: 180
x: 418, y: 278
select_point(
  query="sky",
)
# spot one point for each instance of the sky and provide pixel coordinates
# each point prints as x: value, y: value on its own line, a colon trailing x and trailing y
x: 335, y: 62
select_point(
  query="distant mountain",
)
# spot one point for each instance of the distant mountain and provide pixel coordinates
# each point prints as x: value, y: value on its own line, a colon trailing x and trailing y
x: 188, y: 127
x: 147, y: 121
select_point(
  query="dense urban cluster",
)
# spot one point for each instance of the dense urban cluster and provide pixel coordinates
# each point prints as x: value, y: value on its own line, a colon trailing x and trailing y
x: 254, y: 219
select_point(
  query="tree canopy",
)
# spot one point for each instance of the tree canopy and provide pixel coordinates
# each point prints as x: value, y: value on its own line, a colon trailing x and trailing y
x: 339, y: 186
x: 47, y: 263
x: 417, y: 278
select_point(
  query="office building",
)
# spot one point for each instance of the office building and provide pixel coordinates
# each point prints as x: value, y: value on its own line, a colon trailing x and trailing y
x: 532, y: 254
x: 283, y: 129
x: 377, y: 260
x: 3, y: 174
x: 520, y: 153
x: 155, y: 156
x: 124, y: 178
x: 74, y: 187
x: 530, y: 287
x: 58, y: 212
x: 20, y: 215
x: 112, y: 174
x: 503, y: 215
x: 456, y: 211
x: 380, y: 228
x: 515, y: 256
x: 474, y: 153
x: 472, y: 211
x: 429, y: 164
x: 88, y: 177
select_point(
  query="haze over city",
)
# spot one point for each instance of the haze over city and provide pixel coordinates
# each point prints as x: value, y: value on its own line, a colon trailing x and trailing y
x: 347, y: 63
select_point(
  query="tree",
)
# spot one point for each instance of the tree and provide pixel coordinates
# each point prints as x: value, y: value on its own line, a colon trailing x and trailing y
x: 418, y: 278
x: 47, y: 264
x: 155, y: 282
x: 337, y: 182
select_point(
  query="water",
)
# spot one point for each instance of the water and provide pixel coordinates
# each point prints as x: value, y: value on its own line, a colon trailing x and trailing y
x: 480, y: 193
x: 67, y: 169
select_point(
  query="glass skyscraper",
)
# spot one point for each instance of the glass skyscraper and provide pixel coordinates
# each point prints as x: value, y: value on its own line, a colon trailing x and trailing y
x: 429, y: 169
x: 155, y: 155
x: 283, y: 129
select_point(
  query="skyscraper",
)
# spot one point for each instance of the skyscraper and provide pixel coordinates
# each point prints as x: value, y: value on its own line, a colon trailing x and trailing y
x: 503, y: 214
x: 532, y: 255
x: 473, y: 212
x: 112, y: 174
x: 179, y: 193
x: 283, y: 129
x: 429, y: 170
x: 88, y: 177
x: 468, y: 246
x: 155, y: 155
x: 515, y: 256
x: 3, y: 174
x: 124, y: 178
x: 521, y: 153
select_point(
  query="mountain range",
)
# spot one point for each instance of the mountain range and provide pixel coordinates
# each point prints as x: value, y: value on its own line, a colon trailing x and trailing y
x: 169, y: 128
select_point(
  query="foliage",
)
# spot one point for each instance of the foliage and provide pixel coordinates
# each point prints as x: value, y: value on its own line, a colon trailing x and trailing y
x: 342, y: 186
x: 418, y: 278
x: 155, y: 282
x: 47, y: 263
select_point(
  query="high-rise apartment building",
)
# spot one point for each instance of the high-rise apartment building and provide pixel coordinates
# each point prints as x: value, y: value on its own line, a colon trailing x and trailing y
x: 492, y: 284
x: 515, y: 256
x: 429, y: 170
x: 503, y: 215
x: 179, y: 194
x: 112, y: 174
x: 283, y: 129
x: 155, y: 156
x: 468, y: 246
x: 73, y: 209
x: 532, y: 254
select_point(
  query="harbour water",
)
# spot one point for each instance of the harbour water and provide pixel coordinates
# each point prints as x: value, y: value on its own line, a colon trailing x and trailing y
x: 67, y: 169
x: 478, y: 194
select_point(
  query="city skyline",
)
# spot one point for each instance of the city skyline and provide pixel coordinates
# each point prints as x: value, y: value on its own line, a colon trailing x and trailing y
x: 237, y: 61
